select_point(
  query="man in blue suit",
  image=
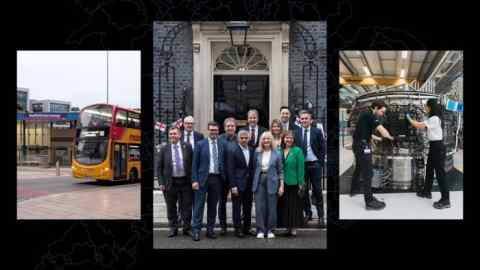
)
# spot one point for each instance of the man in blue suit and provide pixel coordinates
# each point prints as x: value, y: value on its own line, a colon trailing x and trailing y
x: 240, y: 172
x: 207, y: 176
x: 311, y: 140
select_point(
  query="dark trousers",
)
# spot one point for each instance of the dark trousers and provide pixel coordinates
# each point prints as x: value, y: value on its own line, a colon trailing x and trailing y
x: 242, y: 209
x: 364, y: 169
x: 222, y: 204
x: 313, y: 176
x: 210, y: 191
x: 247, y: 202
x: 436, y: 162
x: 181, y: 192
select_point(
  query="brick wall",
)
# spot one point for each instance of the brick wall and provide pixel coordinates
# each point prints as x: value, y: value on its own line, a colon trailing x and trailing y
x: 297, y: 59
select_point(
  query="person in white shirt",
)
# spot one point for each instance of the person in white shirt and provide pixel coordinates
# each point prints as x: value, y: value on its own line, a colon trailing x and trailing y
x: 267, y: 183
x: 436, y: 154
x: 189, y: 135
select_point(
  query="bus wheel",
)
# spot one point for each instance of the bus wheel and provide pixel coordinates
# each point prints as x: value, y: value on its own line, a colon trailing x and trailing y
x: 133, y: 176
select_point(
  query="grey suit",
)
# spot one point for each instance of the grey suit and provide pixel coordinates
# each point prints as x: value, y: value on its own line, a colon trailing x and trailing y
x: 265, y: 187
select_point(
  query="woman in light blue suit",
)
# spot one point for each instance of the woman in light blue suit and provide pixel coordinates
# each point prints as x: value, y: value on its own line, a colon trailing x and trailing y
x: 267, y: 183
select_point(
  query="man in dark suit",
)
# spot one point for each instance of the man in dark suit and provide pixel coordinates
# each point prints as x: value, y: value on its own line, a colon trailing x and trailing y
x: 207, y: 174
x: 311, y: 140
x: 189, y: 135
x: 240, y: 172
x: 253, y: 127
x: 288, y: 122
x: 228, y: 138
x: 174, y: 177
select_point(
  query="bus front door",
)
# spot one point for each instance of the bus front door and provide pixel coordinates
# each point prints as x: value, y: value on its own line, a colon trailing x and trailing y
x: 120, y: 161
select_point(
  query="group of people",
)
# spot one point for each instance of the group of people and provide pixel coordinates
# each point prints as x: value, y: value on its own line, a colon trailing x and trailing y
x: 369, y: 123
x: 274, y: 168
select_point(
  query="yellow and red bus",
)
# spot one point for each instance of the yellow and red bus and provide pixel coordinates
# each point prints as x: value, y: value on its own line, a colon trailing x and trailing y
x: 107, y: 144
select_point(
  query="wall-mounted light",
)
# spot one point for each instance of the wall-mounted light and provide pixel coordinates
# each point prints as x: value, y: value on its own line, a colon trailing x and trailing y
x: 238, y: 29
x: 402, y: 73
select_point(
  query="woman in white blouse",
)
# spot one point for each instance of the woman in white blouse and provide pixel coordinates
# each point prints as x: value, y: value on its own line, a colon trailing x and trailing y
x: 436, y: 154
x: 267, y: 183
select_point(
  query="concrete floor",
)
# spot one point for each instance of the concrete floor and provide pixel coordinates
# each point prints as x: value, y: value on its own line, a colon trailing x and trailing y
x: 402, y: 206
x: 399, y: 205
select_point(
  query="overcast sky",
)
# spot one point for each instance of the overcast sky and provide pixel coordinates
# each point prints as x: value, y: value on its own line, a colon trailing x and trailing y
x: 81, y: 76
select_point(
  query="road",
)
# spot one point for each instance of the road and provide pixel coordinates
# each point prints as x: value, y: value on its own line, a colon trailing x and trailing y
x: 305, y: 239
x: 35, y: 182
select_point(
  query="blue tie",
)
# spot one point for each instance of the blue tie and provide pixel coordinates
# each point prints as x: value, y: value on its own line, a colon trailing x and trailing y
x: 215, y: 156
x: 178, y: 161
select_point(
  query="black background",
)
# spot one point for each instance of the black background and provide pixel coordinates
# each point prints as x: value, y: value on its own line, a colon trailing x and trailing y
x: 127, y: 25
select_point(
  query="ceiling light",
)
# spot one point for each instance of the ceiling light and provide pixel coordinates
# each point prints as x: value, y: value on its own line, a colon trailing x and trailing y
x: 367, y: 72
x: 404, y: 54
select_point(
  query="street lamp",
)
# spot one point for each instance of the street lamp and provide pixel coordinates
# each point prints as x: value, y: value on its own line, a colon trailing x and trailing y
x: 238, y: 29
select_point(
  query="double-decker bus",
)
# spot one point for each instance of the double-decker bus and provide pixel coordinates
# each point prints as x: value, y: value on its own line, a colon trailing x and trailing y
x: 107, y: 144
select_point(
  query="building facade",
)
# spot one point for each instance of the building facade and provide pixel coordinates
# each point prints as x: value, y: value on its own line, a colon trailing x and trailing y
x: 197, y: 71
x: 44, y: 138
x: 48, y: 105
x: 22, y: 99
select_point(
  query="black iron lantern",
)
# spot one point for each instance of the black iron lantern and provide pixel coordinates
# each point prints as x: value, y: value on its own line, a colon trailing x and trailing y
x: 238, y: 29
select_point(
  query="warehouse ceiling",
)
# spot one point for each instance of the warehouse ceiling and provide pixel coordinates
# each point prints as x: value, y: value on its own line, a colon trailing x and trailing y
x: 367, y: 71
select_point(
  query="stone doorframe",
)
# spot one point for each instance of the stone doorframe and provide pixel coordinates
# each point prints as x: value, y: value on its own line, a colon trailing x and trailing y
x: 206, y: 33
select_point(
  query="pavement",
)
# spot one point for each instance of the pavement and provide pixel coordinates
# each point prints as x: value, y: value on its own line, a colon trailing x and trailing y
x: 41, y: 194
x: 160, y: 213
x: 305, y: 239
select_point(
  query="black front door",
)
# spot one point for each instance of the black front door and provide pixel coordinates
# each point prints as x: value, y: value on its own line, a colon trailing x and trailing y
x: 234, y: 95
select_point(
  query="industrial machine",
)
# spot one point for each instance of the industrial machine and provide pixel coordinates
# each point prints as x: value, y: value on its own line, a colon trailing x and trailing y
x: 400, y: 165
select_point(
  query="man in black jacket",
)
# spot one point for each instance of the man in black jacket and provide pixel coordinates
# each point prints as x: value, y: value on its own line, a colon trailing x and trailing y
x: 288, y: 122
x: 240, y: 172
x: 311, y: 140
x: 174, y: 177
x: 253, y: 127
x: 189, y: 135
x: 228, y: 138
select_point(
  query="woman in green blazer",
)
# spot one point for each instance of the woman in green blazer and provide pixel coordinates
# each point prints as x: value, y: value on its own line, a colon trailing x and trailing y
x: 290, y: 208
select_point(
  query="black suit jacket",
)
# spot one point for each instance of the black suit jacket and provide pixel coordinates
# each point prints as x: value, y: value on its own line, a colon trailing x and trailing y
x: 238, y: 170
x: 291, y: 125
x: 197, y: 136
x: 317, y: 141
x: 165, y: 163
x: 260, y: 131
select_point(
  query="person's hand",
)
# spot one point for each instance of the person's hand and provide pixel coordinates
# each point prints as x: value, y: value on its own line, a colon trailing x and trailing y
x: 301, y: 190
x: 408, y: 117
x: 280, y: 190
x: 195, y: 186
x: 162, y: 188
x: 235, y: 191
